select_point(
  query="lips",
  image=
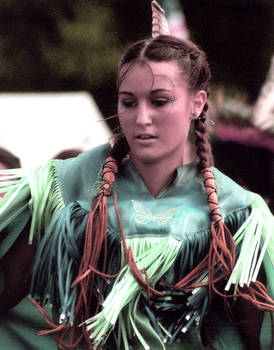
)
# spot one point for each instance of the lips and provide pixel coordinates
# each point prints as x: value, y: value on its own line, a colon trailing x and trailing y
x: 145, y: 137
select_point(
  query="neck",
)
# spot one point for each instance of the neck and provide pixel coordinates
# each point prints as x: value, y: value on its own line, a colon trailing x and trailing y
x: 156, y: 175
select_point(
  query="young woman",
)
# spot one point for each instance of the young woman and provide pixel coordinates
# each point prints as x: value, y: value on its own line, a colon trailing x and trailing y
x: 142, y: 244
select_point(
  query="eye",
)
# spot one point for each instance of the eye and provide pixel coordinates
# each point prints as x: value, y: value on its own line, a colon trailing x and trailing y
x: 162, y: 101
x: 128, y: 103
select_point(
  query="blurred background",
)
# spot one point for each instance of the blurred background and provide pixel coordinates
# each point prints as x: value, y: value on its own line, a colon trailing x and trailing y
x: 70, y: 49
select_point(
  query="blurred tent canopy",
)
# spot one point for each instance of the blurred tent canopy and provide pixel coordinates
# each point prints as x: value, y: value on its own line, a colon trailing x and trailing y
x: 36, y: 126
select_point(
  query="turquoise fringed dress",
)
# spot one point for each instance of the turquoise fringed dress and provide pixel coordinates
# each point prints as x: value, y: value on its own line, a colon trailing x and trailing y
x: 169, y: 235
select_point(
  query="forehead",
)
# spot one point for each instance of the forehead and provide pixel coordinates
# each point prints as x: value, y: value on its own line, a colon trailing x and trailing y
x: 148, y: 75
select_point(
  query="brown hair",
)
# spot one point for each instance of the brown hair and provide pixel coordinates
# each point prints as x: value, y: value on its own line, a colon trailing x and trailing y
x: 166, y: 48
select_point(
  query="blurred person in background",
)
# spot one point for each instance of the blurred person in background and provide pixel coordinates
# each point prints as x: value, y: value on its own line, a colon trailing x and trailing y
x: 244, y: 154
x: 8, y: 160
x: 243, y: 150
x: 68, y: 153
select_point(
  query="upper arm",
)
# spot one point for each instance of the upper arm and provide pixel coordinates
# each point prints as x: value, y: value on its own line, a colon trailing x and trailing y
x: 250, y: 319
x: 16, y: 268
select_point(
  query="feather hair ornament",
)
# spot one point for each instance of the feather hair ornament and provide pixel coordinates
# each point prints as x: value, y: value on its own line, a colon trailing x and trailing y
x: 159, y: 21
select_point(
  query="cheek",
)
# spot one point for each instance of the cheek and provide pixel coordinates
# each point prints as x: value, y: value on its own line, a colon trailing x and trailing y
x: 125, y: 124
x: 175, y: 135
x: 177, y: 124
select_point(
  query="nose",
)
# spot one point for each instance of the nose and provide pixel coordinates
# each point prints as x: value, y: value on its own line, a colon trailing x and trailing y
x: 143, y: 115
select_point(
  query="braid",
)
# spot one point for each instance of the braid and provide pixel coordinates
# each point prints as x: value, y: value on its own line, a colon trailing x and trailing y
x: 222, y: 249
x: 96, y: 241
x: 120, y: 148
x: 202, y: 141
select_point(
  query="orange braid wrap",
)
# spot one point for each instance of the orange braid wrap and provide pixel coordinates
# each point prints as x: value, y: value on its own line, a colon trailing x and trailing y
x: 95, y: 245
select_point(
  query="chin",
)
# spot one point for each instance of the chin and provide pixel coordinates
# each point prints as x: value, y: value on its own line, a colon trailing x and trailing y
x: 143, y: 157
x: 149, y: 157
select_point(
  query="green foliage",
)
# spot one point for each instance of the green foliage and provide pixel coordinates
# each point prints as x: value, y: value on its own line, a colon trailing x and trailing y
x: 89, y: 46
x: 46, y: 46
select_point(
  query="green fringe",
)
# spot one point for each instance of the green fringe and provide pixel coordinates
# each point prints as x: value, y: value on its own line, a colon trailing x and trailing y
x: 38, y: 188
x: 46, y: 199
x: 256, y: 241
x: 59, y: 253
x: 14, y: 210
x: 15, y: 184
x: 154, y: 255
x: 253, y: 243
x: 184, y: 308
x: 58, y: 258
x: 57, y: 261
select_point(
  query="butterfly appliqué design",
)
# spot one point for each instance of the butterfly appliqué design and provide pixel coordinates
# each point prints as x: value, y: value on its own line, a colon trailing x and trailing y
x: 144, y: 215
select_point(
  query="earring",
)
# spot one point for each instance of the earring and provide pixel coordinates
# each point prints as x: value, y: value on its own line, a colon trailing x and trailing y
x: 202, y: 117
x: 193, y: 116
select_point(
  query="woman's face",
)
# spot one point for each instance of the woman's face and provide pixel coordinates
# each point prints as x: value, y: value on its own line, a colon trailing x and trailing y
x: 154, y: 109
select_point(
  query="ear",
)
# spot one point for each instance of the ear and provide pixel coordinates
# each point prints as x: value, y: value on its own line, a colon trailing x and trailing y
x: 199, y: 100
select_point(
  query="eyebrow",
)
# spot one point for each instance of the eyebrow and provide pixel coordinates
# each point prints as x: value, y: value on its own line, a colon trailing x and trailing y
x: 151, y: 92
x: 125, y: 93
